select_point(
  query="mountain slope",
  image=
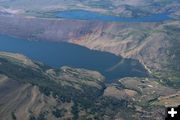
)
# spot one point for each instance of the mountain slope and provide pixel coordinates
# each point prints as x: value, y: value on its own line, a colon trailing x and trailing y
x: 154, y: 45
x: 29, y: 92
x: 33, y: 91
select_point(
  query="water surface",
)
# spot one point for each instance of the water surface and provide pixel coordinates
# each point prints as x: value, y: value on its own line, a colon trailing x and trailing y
x: 66, y: 54
x: 88, y: 15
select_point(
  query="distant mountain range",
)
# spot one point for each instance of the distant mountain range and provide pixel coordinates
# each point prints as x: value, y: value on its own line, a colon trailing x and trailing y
x: 31, y: 90
x: 125, y: 8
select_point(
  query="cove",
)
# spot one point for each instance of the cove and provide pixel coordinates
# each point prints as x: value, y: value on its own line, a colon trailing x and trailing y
x: 66, y: 54
x: 88, y: 15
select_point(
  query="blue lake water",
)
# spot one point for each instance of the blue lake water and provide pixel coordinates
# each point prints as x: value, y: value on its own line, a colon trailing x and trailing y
x: 66, y: 54
x: 88, y: 15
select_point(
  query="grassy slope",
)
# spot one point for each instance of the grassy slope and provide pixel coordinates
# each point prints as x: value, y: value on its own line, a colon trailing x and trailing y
x: 60, y: 84
x: 79, y: 91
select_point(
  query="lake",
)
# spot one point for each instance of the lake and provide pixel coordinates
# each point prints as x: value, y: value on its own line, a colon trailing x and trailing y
x: 66, y: 54
x: 88, y: 15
